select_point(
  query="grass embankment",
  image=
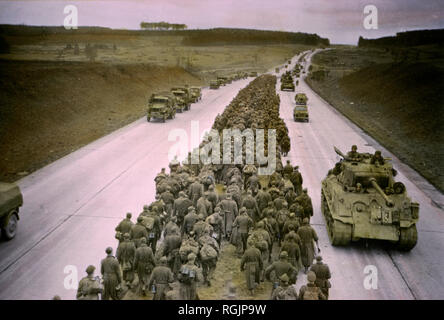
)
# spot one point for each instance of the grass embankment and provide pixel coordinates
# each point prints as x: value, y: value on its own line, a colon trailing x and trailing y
x: 398, y: 101
x: 49, y: 109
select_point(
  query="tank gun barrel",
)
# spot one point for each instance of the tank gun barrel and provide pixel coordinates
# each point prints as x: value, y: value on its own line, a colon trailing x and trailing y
x: 381, y: 192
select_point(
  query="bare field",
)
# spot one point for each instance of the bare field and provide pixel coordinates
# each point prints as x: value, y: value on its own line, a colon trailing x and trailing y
x: 167, y: 51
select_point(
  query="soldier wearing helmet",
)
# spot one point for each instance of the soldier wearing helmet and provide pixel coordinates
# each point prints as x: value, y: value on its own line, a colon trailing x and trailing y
x: 280, y: 267
x: 310, y: 291
x: 354, y: 155
x: 125, y: 254
x: 284, y: 291
x: 138, y: 231
x: 322, y: 275
x: 377, y: 158
x: 124, y: 226
x: 89, y: 287
x: 252, y: 265
x: 189, y: 275
x: 160, y: 279
x: 309, y: 238
x: 111, y: 275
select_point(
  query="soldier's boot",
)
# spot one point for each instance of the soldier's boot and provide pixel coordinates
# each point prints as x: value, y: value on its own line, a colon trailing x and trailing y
x: 143, y: 289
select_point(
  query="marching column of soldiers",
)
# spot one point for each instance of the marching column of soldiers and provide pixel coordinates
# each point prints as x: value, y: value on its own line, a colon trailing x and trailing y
x: 174, y: 247
x: 268, y: 223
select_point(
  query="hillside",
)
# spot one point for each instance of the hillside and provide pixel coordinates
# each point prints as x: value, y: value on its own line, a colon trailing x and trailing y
x: 48, y: 109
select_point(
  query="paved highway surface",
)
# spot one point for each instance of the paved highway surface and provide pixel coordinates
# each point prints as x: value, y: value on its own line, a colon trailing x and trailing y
x: 73, y: 205
x: 414, y: 275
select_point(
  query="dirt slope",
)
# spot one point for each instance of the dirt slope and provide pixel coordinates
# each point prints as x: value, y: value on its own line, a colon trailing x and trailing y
x: 53, y: 108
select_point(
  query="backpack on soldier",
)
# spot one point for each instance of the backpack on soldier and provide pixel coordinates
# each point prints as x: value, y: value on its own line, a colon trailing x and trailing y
x: 207, y: 252
x: 259, y: 241
x: 185, y: 249
x: 282, y: 217
x: 149, y: 223
x: 311, y: 293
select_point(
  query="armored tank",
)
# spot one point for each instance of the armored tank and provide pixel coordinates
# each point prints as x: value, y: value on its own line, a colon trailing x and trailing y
x: 301, y: 99
x: 361, y: 200
x: 11, y: 200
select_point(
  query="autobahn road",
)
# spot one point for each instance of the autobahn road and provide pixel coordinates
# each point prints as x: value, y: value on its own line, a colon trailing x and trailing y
x: 73, y: 205
x: 414, y: 275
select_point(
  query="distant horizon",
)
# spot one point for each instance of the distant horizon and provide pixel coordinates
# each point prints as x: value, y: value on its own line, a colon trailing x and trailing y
x: 209, y: 28
x: 341, y: 21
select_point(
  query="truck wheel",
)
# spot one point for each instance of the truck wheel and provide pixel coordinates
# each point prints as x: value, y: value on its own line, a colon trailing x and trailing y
x: 148, y: 119
x: 11, y: 228
x: 164, y: 119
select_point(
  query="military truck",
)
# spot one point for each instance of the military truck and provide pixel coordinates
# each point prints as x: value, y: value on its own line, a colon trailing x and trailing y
x: 161, y: 106
x: 301, y: 99
x: 300, y: 113
x: 11, y: 200
x: 222, y: 80
x: 182, y: 102
x: 287, y: 85
x: 183, y: 96
x: 214, y: 84
x: 196, y: 94
x: 361, y: 200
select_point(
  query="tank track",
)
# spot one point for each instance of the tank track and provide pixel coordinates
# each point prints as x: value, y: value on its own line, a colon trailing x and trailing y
x: 339, y: 233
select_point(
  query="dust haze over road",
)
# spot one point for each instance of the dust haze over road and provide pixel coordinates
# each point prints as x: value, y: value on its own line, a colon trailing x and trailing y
x: 73, y: 205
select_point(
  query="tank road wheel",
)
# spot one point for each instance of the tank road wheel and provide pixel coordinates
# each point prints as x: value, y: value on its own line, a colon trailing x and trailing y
x: 10, y: 230
x: 339, y: 232
x: 407, y: 238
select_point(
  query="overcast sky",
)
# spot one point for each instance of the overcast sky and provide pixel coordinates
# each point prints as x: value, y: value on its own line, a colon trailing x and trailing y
x: 339, y: 20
